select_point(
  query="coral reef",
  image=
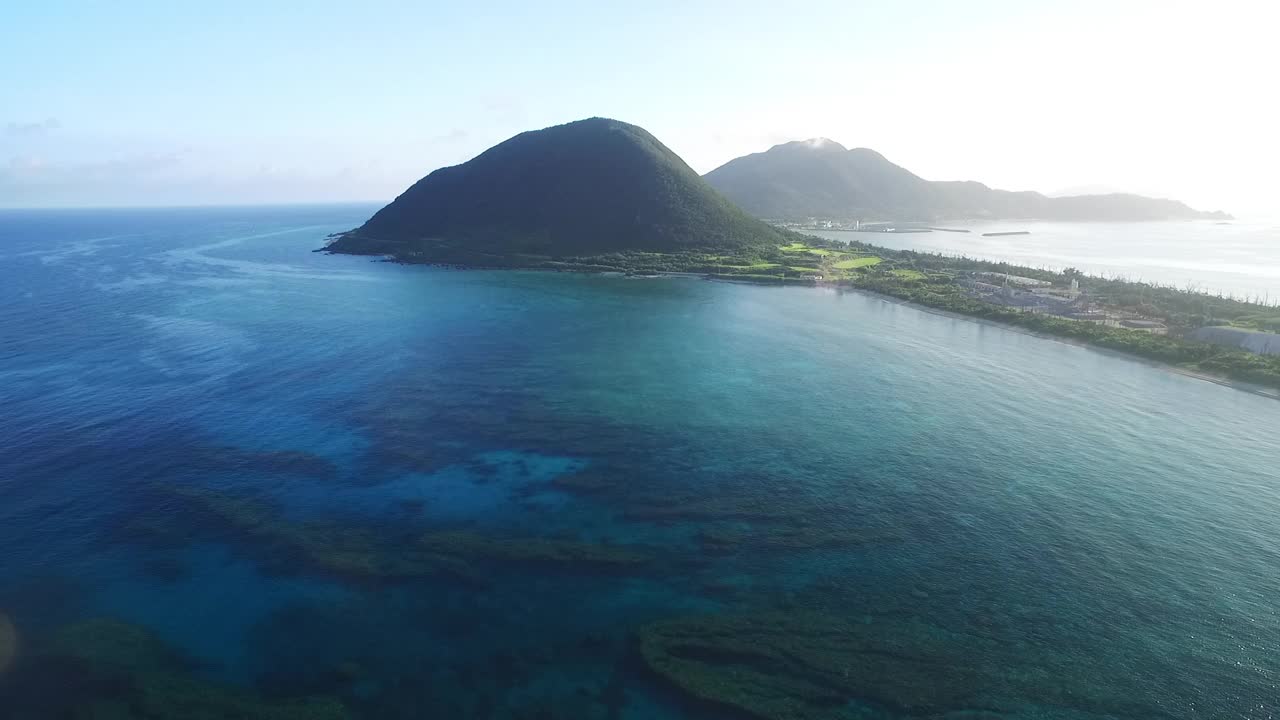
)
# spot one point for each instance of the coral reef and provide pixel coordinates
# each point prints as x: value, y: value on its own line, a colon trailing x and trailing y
x: 474, y: 547
x: 114, y: 644
x: 109, y: 670
x: 346, y: 550
x: 742, y: 515
x: 201, y: 458
x: 366, y: 553
x: 803, y: 665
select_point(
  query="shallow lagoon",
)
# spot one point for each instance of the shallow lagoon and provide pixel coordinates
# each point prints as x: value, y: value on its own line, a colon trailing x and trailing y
x: 410, y: 492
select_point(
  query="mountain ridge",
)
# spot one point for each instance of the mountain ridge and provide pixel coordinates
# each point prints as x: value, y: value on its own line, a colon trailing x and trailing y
x: 821, y: 178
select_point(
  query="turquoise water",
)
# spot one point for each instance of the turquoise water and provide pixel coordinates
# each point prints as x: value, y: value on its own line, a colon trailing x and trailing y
x: 1101, y: 534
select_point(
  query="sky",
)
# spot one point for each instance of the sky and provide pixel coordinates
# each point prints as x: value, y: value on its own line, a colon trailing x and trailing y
x: 138, y: 103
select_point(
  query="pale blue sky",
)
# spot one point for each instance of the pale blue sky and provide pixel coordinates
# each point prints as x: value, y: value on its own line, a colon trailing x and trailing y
x: 160, y: 103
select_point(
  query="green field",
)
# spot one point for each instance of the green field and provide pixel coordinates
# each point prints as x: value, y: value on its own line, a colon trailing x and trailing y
x: 909, y: 274
x: 857, y: 262
x: 1267, y: 322
x: 799, y: 247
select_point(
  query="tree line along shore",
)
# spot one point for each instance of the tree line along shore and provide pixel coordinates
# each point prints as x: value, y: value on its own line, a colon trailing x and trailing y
x: 1149, y: 321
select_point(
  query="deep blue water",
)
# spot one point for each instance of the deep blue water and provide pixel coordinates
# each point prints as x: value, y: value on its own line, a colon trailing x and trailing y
x: 1113, y: 527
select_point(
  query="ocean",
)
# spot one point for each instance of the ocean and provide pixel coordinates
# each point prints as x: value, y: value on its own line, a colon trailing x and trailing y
x: 1239, y: 259
x: 239, y: 479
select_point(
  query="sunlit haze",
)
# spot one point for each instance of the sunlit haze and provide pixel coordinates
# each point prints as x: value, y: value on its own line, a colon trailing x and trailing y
x: 150, y: 103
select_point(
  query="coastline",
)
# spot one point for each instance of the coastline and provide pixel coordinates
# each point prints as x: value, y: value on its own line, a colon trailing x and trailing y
x: 1244, y: 386
x: 1241, y: 385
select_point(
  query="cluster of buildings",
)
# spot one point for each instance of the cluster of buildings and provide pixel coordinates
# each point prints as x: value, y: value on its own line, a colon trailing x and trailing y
x: 1039, y: 296
x: 810, y: 224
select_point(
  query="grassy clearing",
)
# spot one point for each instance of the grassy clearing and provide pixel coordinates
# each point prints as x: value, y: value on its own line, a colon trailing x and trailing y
x: 909, y: 274
x: 799, y: 247
x: 1266, y: 322
x: 857, y: 262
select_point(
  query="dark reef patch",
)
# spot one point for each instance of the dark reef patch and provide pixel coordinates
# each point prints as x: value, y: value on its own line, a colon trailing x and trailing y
x: 802, y: 665
x: 109, y: 670
x: 532, y: 550
x: 386, y: 553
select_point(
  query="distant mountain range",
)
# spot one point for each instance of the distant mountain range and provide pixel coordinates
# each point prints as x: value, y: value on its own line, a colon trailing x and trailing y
x: 585, y: 188
x: 821, y: 178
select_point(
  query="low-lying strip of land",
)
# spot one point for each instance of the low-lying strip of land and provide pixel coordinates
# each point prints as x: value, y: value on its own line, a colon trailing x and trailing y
x: 1139, y: 319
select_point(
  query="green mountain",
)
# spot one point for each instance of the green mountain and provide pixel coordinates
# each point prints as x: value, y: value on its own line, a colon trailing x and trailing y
x: 821, y: 178
x: 583, y: 189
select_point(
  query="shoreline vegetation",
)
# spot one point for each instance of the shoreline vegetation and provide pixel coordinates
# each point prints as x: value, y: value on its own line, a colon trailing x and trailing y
x: 1112, y: 308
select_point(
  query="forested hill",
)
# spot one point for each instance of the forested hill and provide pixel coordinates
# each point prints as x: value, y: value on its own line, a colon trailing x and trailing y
x: 820, y: 178
x: 585, y: 188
